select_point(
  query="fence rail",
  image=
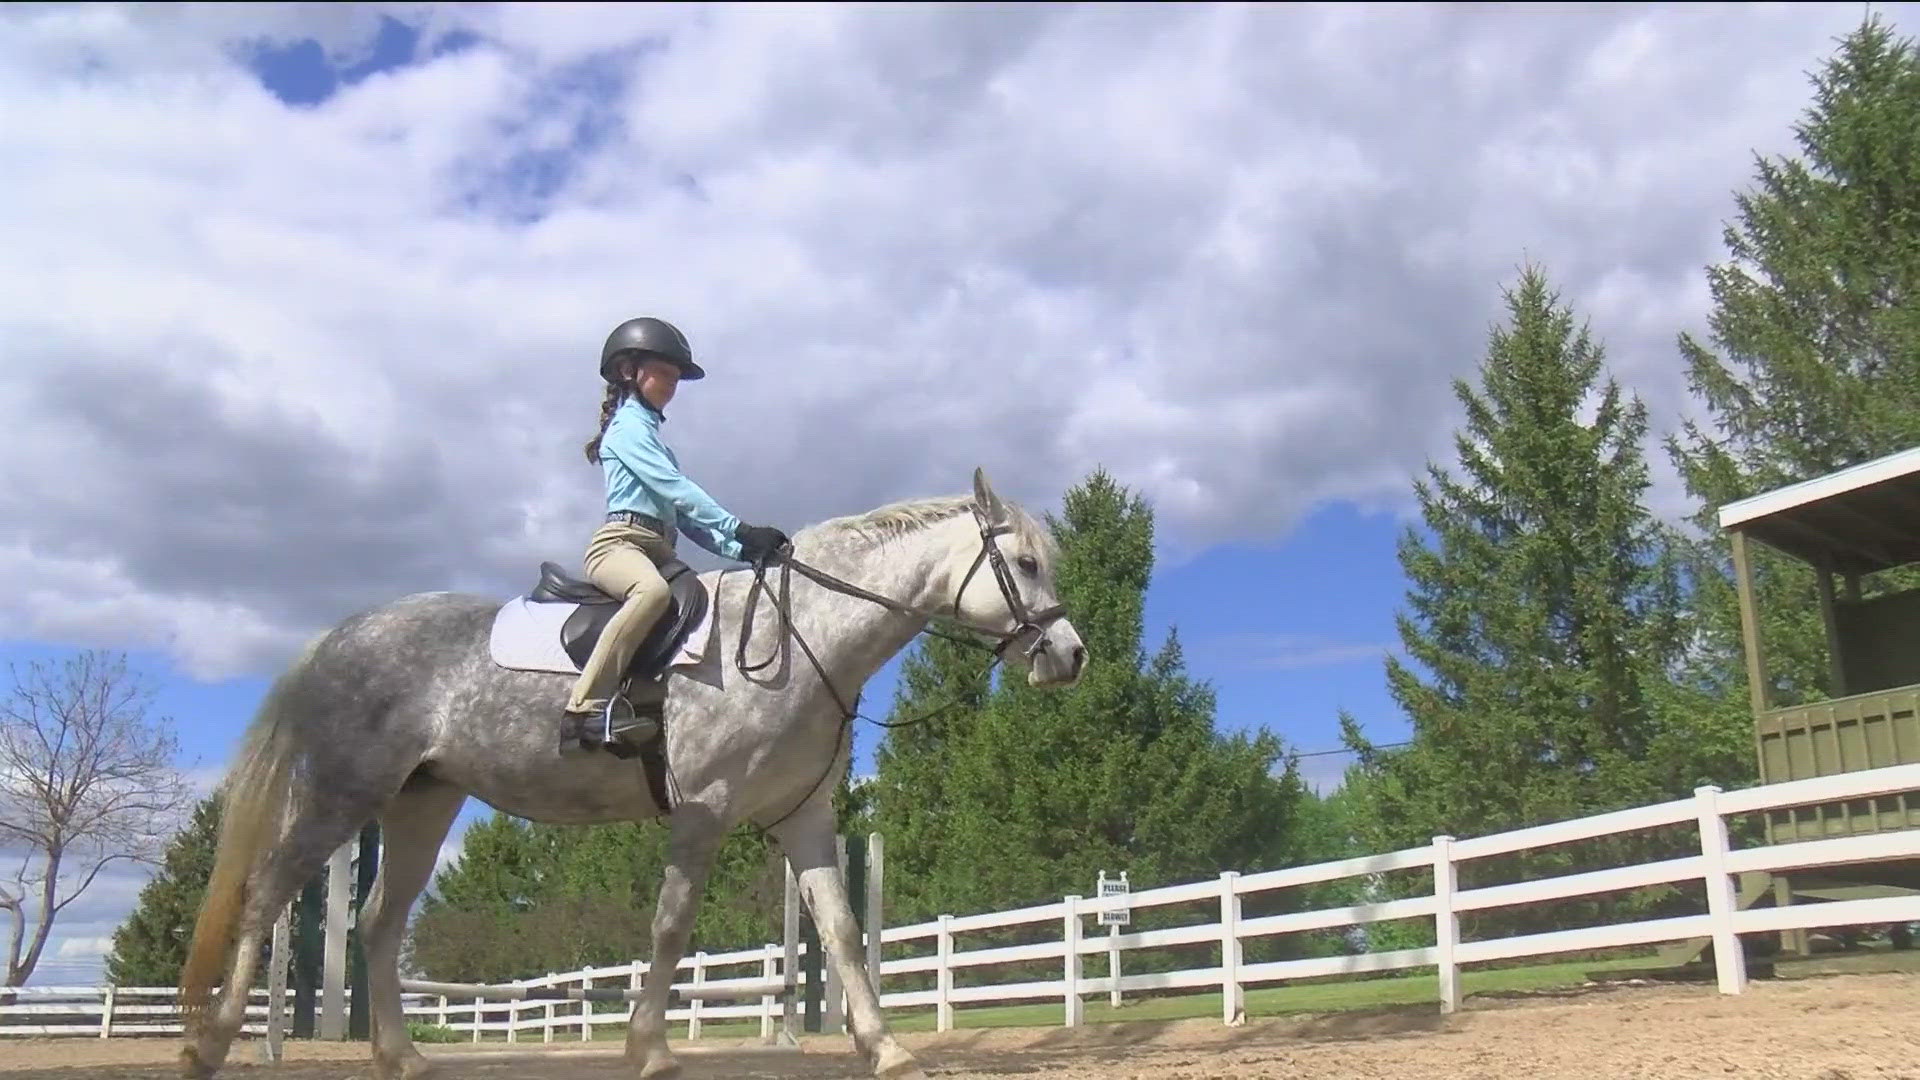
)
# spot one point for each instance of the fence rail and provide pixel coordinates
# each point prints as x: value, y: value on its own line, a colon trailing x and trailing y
x: 104, y: 1011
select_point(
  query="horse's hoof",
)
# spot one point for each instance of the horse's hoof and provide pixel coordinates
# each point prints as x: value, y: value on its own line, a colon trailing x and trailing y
x: 649, y: 1052
x: 659, y: 1065
x: 192, y: 1067
x: 410, y: 1067
x: 896, y: 1064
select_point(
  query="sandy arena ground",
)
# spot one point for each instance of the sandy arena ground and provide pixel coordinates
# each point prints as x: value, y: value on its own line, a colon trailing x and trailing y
x: 1830, y: 1027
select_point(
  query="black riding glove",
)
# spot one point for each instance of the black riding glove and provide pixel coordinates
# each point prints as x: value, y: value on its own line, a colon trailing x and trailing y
x: 758, y: 542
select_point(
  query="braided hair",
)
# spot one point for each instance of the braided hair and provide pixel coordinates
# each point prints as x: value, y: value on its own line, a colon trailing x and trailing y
x: 607, y: 406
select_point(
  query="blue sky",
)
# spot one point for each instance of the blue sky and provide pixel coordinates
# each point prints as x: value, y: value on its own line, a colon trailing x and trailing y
x: 1287, y: 636
x: 1308, y: 645
x: 301, y: 302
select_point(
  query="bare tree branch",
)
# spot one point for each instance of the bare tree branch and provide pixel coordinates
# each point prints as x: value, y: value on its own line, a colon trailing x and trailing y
x: 98, y: 865
x: 86, y: 780
x: 18, y: 914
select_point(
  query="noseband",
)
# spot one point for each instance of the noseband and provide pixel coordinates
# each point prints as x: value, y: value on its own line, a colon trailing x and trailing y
x: 1025, y: 621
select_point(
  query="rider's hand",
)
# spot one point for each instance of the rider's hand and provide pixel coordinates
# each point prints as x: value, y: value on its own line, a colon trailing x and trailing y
x: 759, y: 541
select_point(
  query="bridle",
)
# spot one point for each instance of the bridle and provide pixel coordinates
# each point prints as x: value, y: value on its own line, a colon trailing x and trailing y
x: 1026, y: 621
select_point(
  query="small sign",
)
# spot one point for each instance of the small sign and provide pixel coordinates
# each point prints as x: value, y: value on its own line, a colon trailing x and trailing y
x: 1120, y: 916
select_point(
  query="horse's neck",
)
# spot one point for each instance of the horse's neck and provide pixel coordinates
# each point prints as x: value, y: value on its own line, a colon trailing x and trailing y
x: 854, y: 637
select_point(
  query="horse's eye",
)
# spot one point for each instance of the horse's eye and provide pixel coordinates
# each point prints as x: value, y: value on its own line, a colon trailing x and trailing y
x: 1028, y: 565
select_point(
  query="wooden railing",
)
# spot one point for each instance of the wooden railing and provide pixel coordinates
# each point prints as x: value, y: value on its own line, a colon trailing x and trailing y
x: 1714, y: 866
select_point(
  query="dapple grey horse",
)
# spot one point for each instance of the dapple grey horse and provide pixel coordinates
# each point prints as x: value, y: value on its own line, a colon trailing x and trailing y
x: 401, y: 713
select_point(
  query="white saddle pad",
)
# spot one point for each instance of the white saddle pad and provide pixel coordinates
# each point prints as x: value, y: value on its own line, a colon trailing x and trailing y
x: 526, y: 637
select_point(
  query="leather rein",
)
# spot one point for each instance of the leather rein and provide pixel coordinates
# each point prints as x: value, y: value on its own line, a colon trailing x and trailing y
x: 1026, y: 621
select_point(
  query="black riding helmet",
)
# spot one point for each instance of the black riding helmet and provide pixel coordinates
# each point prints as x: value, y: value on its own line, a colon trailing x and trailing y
x: 649, y: 335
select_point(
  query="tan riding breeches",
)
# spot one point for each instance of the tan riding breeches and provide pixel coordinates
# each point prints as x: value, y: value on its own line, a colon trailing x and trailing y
x: 622, y: 560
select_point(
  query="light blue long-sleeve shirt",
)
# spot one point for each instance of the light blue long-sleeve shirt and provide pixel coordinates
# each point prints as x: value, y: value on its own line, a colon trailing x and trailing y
x: 644, y: 476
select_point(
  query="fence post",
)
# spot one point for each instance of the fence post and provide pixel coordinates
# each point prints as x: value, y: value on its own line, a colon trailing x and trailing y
x: 586, y: 1007
x: 832, y: 1002
x: 1070, y: 937
x: 1446, y: 925
x: 106, y: 1016
x: 768, y: 967
x: 274, y: 1048
x: 790, y: 961
x: 366, y: 865
x: 943, y: 978
x: 1729, y: 960
x: 476, y: 1019
x: 876, y: 867
x: 333, y: 978
x: 546, y: 1033
x: 693, y: 1006
x: 1233, y: 996
x: 307, y: 950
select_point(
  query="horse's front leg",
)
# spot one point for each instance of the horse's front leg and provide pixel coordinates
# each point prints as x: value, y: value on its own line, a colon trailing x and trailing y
x: 807, y: 838
x: 694, y: 840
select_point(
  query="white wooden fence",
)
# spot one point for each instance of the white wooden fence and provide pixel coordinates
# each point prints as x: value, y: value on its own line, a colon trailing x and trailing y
x: 107, y: 1011
x: 1714, y: 866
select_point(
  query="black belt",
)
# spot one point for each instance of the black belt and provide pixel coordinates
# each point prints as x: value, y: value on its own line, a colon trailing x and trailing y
x: 645, y: 521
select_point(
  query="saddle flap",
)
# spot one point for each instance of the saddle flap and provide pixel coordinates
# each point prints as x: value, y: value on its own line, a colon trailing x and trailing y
x: 686, y: 607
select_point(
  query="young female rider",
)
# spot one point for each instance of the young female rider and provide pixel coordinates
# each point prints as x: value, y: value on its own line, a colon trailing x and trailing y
x: 649, y: 500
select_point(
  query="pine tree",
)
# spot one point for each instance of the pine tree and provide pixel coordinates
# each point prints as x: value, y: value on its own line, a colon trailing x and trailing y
x: 526, y: 898
x: 1817, y: 319
x: 1544, y: 609
x: 940, y: 691
x: 149, y: 947
x: 1034, y: 793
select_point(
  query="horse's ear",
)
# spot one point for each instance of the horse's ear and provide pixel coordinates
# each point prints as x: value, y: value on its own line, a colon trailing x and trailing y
x: 985, y: 502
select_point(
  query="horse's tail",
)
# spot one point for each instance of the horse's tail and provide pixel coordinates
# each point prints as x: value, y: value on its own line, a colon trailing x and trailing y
x: 256, y: 794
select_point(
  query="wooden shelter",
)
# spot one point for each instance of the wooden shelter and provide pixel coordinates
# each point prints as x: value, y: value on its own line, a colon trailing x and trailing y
x: 1848, y: 526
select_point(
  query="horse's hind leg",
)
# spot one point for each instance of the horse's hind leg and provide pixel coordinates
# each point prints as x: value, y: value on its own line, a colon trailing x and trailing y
x: 208, y: 1050
x: 411, y: 829
x: 316, y: 829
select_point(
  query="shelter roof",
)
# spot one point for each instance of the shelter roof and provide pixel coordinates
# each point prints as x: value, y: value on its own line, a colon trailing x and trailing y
x: 1860, y: 519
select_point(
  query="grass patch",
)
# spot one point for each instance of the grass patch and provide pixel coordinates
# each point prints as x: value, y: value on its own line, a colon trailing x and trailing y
x: 1336, y: 994
x: 1416, y: 987
x: 433, y: 1033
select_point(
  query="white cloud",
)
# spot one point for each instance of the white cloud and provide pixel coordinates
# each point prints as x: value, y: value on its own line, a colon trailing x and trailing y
x: 1325, y: 773
x: 83, y: 948
x: 450, y: 850
x: 82, y: 934
x: 267, y: 365
x: 1287, y: 652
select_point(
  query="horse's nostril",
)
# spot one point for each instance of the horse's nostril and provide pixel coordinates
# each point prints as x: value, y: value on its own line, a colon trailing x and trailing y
x: 1079, y: 658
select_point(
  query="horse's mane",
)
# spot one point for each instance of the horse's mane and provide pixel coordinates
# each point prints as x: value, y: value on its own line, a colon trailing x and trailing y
x: 910, y: 516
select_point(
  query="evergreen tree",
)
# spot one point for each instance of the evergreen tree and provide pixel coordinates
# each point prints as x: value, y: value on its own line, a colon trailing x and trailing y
x: 526, y: 898
x: 939, y: 692
x: 1817, y: 321
x: 149, y: 947
x: 1545, y: 610
x: 1034, y: 793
